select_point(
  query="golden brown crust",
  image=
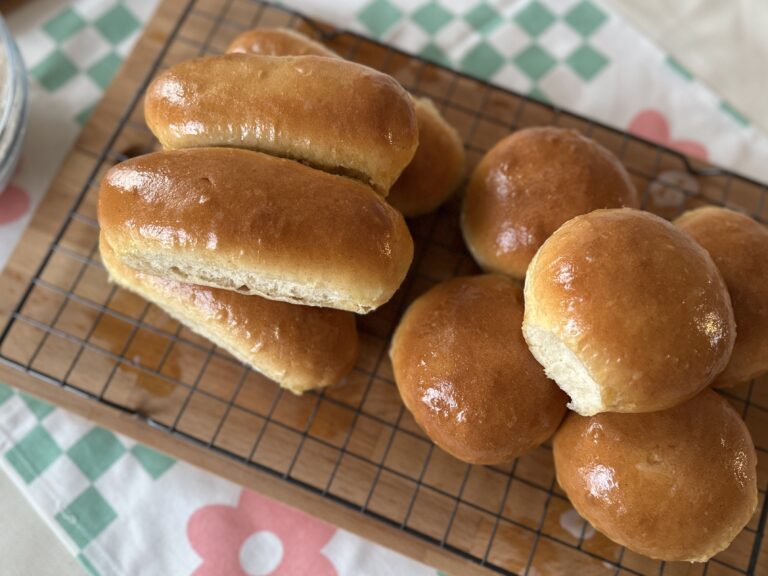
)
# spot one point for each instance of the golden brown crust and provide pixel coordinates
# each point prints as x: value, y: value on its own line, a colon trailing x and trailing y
x: 298, y: 346
x: 739, y: 246
x: 437, y: 168
x: 466, y: 375
x: 277, y: 42
x: 332, y: 114
x: 243, y: 212
x: 529, y: 184
x: 639, y: 303
x: 673, y: 485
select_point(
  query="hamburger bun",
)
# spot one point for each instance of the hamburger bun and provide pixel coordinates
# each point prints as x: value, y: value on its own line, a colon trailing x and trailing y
x: 464, y: 372
x: 627, y: 313
x: 675, y: 485
x: 529, y: 184
x: 739, y: 246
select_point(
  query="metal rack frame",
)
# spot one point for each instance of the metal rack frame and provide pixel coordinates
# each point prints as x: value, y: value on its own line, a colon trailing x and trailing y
x: 68, y: 316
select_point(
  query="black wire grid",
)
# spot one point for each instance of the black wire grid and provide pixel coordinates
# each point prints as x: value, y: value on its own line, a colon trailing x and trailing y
x: 354, y: 443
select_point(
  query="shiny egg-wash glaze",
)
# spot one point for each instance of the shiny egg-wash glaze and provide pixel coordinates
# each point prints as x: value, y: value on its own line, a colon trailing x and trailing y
x: 438, y: 166
x: 299, y: 347
x: 676, y: 485
x: 636, y: 302
x: 529, y: 184
x: 739, y: 246
x: 464, y: 372
x: 329, y: 113
x: 250, y: 222
x: 277, y: 42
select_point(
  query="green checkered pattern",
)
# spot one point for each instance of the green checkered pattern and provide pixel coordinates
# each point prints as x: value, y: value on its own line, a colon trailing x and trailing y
x: 78, y: 53
x: 549, y: 49
x: 726, y: 107
x: 36, y: 453
x: 526, y: 45
x: 533, y: 46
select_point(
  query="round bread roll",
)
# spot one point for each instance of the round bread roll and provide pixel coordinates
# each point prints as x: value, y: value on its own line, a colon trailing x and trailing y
x: 464, y: 372
x: 277, y: 42
x: 627, y: 313
x: 529, y: 184
x: 739, y: 246
x: 299, y: 347
x: 676, y: 485
x: 437, y: 167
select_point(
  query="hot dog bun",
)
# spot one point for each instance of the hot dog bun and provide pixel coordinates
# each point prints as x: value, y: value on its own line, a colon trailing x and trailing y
x: 299, y: 347
x: 331, y: 114
x: 277, y: 42
x: 257, y: 224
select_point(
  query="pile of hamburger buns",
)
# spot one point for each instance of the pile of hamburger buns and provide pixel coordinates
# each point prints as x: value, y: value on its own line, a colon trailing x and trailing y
x: 274, y: 213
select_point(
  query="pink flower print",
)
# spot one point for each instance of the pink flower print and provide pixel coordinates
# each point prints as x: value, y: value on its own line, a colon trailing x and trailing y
x: 259, y: 537
x: 652, y: 125
x: 14, y: 203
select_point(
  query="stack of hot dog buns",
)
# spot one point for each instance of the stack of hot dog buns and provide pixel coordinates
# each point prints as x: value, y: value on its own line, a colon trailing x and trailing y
x: 262, y: 224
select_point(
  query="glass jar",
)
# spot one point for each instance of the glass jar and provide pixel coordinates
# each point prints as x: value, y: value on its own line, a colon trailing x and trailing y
x: 13, y: 105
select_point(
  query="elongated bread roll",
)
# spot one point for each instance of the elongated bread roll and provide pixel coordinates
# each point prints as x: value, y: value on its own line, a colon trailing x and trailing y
x: 329, y: 113
x: 299, y: 347
x: 438, y: 166
x: 257, y: 224
x: 277, y: 42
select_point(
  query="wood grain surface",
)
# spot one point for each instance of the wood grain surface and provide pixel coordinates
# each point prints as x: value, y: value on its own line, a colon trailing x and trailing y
x: 351, y: 454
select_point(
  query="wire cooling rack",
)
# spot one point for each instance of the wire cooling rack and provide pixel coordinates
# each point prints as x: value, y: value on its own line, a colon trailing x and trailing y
x: 354, y: 444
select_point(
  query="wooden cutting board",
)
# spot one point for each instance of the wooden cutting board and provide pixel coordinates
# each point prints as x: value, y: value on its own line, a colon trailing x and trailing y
x: 350, y: 455
x: 31, y: 250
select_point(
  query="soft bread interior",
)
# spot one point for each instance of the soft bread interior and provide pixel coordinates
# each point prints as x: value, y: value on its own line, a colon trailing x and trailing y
x: 243, y: 281
x: 280, y: 368
x: 196, y: 322
x: 564, y: 367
